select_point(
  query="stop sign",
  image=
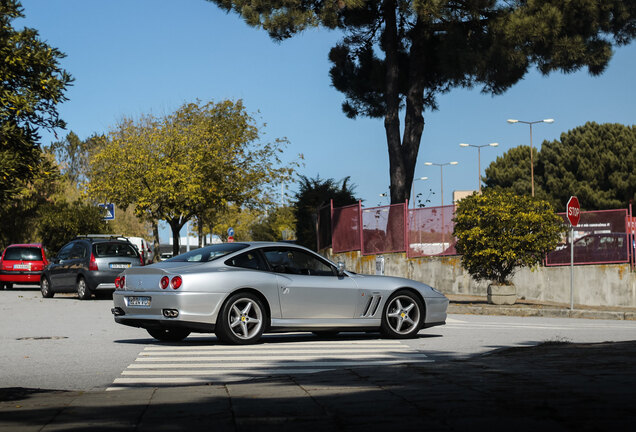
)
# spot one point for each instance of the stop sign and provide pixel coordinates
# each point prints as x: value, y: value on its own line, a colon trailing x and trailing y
x: 573, y: 210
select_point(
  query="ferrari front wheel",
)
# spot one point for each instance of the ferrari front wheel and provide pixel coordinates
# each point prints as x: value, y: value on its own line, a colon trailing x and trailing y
x: 403, y: 315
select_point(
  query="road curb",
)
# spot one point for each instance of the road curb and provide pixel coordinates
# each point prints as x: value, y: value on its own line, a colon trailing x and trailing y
x: 540, y: 312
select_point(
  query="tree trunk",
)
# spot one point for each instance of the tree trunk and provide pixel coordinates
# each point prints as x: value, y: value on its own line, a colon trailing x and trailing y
x: 175, y: 225
x: 155, y: 240
x: 402, y: 152
x: 200, y: 230
x: 392, y: 101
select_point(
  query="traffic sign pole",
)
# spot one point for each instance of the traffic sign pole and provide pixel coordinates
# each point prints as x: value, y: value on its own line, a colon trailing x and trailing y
x: 571, y: 268
x: 573, y: 213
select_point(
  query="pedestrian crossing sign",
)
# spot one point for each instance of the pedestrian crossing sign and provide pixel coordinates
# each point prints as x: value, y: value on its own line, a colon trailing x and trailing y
x: 109, y: 208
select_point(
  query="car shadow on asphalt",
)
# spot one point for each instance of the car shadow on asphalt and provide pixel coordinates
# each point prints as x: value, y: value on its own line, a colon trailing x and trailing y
x: 274, y: 338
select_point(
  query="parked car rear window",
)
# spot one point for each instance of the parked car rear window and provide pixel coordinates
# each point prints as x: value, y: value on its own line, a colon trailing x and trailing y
x: 209, y: 253
x: 114, y: 249
x: 23, y: 254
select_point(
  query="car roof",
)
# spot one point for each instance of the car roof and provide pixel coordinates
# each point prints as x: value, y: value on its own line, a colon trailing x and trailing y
x: 38, y: 245
x: 101, y: 238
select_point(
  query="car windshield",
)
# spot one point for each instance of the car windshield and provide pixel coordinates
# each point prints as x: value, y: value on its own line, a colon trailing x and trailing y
x: 209, y: 253
x: 23, y: 254
x: 114, y: 249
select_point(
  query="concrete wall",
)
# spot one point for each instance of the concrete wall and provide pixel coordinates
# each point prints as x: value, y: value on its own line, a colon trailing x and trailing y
x: 594, y: 285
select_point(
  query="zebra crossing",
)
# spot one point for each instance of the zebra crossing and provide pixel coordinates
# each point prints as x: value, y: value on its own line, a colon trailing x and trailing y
x: 217, y: 364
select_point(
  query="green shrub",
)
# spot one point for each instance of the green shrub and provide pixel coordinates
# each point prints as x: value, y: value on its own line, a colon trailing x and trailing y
x: 498, y: 232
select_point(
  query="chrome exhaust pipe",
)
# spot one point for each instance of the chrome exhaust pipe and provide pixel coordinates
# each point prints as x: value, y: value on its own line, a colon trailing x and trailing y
x: 117, y: 311
x: 170, y: 313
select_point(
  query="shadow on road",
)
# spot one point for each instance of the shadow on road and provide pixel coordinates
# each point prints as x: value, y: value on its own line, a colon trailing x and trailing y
x: 553, y: 386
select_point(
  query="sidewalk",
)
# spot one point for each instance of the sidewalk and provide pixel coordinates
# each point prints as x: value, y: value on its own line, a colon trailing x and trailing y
x: 554, y: 386
x: 478, y: 305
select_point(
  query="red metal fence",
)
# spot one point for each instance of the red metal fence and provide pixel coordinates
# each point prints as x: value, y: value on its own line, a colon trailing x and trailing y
x: 631, y: 230
x: 430, y: 231
x: 345, y: 228
x: 323, y: 226
x: 394, y: 228
x: 605, y: 236
x: 383, y: 229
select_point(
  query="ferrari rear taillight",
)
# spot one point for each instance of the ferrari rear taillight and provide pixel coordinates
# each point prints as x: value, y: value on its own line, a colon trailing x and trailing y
x: 120, y: 281
x: 165, y: 281
x: 176, y: 282
x: 92, y: 266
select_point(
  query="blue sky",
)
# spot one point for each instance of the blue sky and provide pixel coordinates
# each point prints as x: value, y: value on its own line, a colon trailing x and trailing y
x: 133, y: 57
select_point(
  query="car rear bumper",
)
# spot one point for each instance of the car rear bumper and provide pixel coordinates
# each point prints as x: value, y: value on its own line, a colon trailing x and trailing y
x: 20, y: 277
x: 193, y: 308
x: 102, y: 280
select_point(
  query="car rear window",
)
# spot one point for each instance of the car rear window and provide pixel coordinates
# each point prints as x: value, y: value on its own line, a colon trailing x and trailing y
x: 209, y: 253
x: 23, y: 254
x: 114, y: 249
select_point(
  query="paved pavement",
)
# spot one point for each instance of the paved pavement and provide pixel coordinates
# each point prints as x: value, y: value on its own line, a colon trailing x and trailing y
x: 476, y: 305
x: 553, y: 386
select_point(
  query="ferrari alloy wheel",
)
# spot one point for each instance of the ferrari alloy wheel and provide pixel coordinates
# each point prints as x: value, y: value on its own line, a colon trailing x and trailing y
x: 242, y: 319
x: 45, y: 288
x: 403, y: 315
x: 168, y: 335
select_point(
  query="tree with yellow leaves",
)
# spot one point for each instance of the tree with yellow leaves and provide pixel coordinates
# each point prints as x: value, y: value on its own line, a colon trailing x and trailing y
x: 181, y: 165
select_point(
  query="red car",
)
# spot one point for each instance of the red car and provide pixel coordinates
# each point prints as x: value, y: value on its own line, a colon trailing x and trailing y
x: 22, y: 264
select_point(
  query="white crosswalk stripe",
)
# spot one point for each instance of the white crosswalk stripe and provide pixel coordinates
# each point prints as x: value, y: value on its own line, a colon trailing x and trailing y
x: 187, y: 365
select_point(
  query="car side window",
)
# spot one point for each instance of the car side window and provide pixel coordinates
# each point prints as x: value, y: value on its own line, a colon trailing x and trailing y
x: 249, y: 260
x: 294, y: 261
x: 65, y: 252
x: 78, y: 251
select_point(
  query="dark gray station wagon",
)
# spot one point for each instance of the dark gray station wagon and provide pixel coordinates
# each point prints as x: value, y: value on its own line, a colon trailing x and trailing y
x: 88, y: 265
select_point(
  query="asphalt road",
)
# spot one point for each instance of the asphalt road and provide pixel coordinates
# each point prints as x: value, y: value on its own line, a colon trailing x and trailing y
x: 67, y: 344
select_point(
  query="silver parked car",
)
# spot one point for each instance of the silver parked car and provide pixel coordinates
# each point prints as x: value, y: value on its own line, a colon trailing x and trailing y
x: 241, y: 290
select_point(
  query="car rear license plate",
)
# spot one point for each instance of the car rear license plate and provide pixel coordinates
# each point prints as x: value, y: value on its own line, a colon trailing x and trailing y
x: 139, y: 301
x: 120, y: 266
x: 22, y: 266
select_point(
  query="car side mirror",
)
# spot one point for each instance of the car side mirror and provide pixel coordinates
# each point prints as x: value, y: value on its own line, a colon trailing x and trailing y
x: 341, y: 269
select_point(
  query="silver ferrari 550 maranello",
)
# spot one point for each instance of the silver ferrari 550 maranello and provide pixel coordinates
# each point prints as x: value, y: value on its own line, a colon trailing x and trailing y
x: 241, y: 290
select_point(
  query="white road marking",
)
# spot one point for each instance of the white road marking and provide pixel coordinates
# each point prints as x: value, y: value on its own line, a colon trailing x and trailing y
x: 184, y: 365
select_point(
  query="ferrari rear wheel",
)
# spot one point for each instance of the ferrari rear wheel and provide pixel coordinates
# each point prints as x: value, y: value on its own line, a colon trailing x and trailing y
x: 403, y: 315
x: 168, y: 335
x: 241, y: 320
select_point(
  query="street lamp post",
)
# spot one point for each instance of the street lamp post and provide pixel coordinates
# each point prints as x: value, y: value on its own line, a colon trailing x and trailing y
x: 413, y: 190
x: 530, y: 123
x: 478, y: 147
